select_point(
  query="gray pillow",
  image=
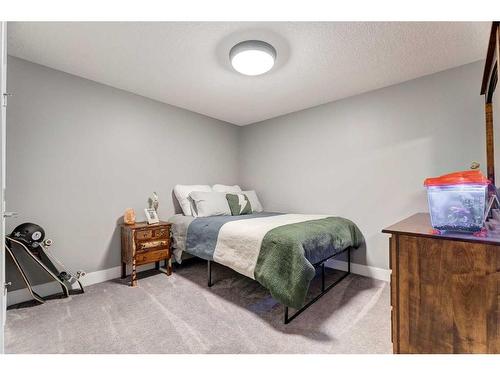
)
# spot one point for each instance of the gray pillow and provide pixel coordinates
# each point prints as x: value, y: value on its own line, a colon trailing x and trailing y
x: 209, y: 204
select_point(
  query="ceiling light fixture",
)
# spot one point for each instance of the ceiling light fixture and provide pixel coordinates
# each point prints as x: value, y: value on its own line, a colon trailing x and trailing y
x: 252, y: 57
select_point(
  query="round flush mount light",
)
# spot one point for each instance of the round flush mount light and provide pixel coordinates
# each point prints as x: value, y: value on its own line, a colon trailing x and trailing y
x: 252, y: 57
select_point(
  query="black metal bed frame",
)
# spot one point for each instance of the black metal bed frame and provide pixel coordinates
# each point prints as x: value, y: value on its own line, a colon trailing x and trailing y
x: 288, y: 318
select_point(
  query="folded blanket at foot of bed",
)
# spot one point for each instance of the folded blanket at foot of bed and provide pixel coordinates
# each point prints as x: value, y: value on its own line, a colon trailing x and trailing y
x: 277, y: 250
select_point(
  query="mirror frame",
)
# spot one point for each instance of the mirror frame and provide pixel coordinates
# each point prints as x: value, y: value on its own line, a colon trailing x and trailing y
x: 488, y: 86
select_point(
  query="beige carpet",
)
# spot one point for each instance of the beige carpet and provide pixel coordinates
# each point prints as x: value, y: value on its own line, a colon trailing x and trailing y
x: 180, y: 314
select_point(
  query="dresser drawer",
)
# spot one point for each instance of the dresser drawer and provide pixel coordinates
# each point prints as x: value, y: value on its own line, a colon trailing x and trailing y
x: 152, y: 245
x: 148, y: 234
x: 151, y: 256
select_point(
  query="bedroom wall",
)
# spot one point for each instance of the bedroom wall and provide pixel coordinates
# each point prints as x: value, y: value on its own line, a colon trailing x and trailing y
x: 365, y: 157
x: 79, y: 153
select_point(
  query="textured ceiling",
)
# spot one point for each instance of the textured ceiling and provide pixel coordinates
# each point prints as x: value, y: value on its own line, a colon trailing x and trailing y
x: 186, y: 64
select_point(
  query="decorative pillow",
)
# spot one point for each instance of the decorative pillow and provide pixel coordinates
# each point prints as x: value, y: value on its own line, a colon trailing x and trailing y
x: 254, y: 200
x: 235, y: 189
x: 239, y: 204
x: 182, y: 194
x: 209, y: 204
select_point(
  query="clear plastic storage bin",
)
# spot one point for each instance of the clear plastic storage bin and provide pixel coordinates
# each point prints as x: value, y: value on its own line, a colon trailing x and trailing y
x: 457, y: 201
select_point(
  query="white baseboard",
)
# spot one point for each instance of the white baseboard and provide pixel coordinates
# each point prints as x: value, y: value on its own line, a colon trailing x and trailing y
x: 47, y: 289
x: 22, y: 295
x: 360, y: 269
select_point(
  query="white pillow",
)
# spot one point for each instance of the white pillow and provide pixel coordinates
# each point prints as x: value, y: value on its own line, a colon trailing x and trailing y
x: 226, y: 188
x: 254, y: 200
x: 209, y: 204
x: 182, y: 194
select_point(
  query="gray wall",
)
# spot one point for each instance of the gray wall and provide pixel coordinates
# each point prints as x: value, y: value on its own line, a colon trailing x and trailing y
x: 366, y: 157
x: 79, y: 153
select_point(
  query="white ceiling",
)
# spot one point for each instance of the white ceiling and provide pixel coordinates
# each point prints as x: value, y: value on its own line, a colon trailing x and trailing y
x: 186, y: 64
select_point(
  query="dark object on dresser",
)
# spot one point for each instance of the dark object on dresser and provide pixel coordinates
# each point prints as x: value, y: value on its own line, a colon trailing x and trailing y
x: 142, y: 244
x: 491, y: 99
x: 445, y: 289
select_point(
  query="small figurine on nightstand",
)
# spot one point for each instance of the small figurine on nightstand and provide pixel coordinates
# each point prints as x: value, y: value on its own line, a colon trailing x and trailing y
x: 152, y: 212
x: 154, y: 201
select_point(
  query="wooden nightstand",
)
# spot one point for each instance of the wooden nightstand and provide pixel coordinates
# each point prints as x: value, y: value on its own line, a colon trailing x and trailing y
x: 142, y: 244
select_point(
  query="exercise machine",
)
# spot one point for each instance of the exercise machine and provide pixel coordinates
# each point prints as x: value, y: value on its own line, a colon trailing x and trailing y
x: 30, y: 239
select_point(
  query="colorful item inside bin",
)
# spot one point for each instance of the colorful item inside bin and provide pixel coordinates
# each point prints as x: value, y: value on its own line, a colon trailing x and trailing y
x: 457, y: 201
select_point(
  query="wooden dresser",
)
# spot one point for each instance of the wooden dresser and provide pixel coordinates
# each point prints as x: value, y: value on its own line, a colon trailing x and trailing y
x: 445, y: 290
x: 142, y: 244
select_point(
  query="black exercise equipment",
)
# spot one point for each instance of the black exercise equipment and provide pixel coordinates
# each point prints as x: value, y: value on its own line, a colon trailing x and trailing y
x: 30, y: 238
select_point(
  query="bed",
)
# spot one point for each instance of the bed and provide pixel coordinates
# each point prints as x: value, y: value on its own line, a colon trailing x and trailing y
x: 280, y: 251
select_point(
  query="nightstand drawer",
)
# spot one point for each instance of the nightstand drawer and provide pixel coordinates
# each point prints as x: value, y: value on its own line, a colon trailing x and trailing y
x: 151, y: 256
x: 149, y: 245
x: 147, y: 234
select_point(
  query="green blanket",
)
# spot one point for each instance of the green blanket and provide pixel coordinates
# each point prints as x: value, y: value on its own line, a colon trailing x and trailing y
x: 282, y: 265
